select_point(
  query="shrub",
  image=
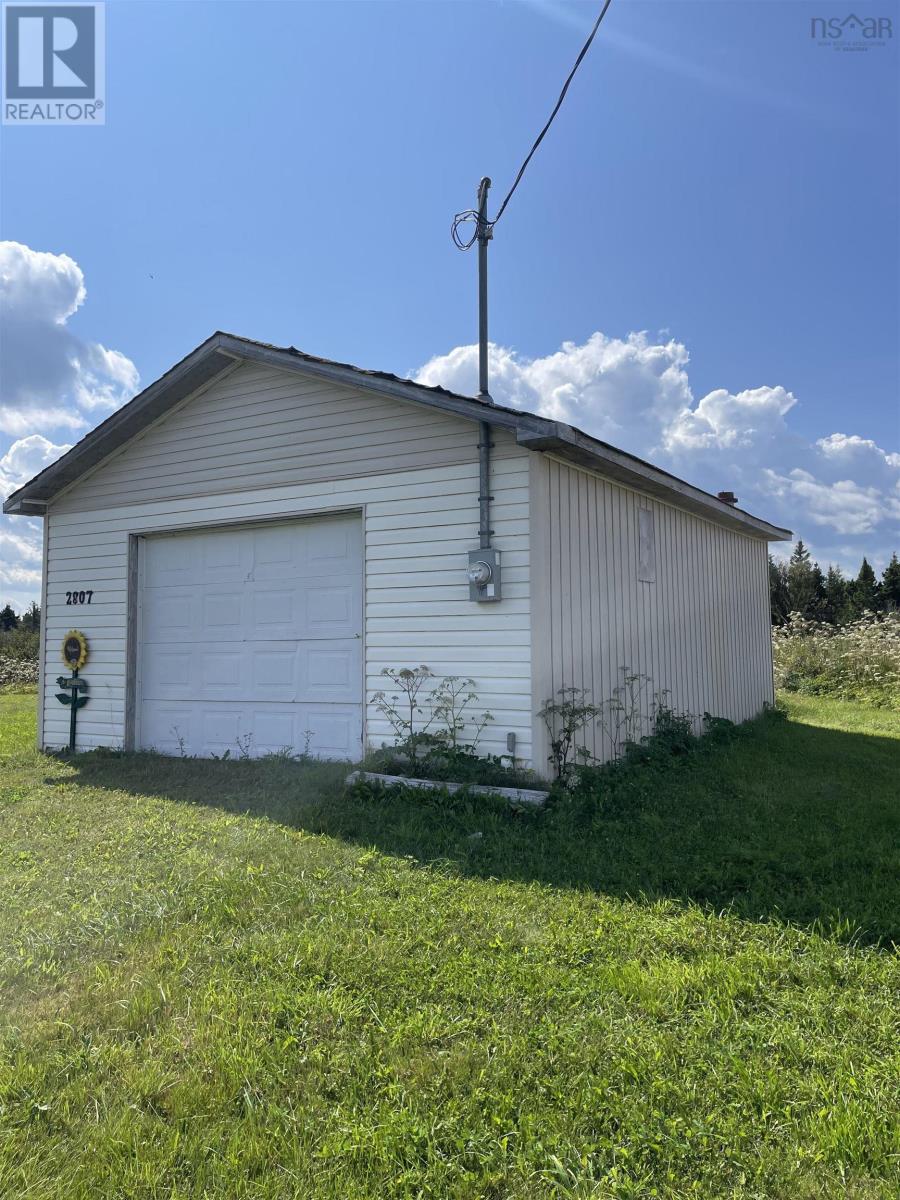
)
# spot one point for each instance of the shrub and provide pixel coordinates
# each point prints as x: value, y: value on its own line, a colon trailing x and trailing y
x: 20, y: 643
x: 565, y: 718
x: 860, y: 661
x: 430, y: 717
x: 17, y: 674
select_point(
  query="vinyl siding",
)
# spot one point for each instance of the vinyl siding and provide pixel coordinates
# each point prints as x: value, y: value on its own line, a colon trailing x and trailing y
x: 698, y: 631
x: 260, y: 427
x: 263, y: 444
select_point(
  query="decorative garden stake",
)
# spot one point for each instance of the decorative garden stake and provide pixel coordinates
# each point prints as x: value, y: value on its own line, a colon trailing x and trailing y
x: 74, y: 655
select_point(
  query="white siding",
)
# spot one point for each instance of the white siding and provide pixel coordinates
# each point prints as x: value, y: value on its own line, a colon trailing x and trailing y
x: 261, y: 444
x: 693, y: 616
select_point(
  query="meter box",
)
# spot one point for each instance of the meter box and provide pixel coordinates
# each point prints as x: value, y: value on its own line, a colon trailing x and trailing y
x: 484, y: 575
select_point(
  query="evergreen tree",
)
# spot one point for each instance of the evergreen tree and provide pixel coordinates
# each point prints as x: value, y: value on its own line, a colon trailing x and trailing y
x: 779, y: 593
x: 865, y: 591
x: 890, y: 585
x: 31, y: 619
x: 805, y: 584
x: 8, y: 619
x: 835, y: 601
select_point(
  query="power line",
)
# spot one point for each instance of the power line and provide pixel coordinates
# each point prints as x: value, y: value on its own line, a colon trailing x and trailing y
x: 471, y: 215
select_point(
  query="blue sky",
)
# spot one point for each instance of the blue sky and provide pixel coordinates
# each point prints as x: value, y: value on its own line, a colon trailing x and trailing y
x: 716, y: 178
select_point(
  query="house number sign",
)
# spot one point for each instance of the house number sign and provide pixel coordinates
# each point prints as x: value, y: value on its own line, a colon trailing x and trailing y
x: 82, y: 597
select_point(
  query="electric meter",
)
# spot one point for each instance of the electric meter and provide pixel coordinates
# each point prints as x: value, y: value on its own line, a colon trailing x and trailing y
x: 483, y: 574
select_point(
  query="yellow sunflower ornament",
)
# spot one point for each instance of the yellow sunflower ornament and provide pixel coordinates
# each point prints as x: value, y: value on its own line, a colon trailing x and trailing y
x: 74, y: 650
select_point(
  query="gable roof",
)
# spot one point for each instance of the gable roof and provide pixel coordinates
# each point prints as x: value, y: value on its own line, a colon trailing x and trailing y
x: 222, y: 352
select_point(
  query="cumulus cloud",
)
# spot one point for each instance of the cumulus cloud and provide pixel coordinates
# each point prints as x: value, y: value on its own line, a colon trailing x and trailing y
x: 21, y: 421
x: 25, y: 458
x: 20, y: 539
x: 48, y: 372
x: 841, y: 492
x: 52, y: 382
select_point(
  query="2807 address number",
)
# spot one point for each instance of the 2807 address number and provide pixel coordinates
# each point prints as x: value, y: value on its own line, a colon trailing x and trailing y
x: 79, y: 597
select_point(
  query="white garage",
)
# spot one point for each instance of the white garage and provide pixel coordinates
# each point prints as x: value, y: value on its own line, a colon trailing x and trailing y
x: 253, y: 539
x: 251, y: 639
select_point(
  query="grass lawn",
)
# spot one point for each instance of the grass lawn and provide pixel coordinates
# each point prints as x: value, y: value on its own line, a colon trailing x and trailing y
x: 227, y: 980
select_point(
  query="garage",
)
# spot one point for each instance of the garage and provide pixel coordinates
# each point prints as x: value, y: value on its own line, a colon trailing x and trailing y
x: 250, y: 640
x: 249, y: 544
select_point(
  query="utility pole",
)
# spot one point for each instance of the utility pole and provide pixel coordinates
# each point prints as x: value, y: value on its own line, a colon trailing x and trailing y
x: 484, y: 233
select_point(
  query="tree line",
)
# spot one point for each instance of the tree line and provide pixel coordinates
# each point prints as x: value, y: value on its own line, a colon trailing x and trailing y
x: 30, y: 619
x: 20, y: 636
x: 799, y: 585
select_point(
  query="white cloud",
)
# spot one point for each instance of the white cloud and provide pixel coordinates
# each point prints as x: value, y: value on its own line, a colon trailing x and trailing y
x: 20, y: 561
x: 24, y: 459
x: 845, y: 506
x: 12, y: 545
x: 636, y: 393
x: 20, y: 539
x: 22, y: 421
x: 53, y: 384
x: 596, y: 386
x: 722, y: 420
x: 48, y: 370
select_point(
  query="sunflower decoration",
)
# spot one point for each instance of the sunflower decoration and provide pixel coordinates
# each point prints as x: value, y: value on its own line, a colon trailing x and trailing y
x: 74, y: 650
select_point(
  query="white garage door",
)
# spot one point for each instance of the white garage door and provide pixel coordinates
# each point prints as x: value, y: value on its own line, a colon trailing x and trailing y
x: 251, y: 640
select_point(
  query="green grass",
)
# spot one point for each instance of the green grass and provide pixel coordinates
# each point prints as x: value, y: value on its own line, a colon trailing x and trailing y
x: 228, y: 980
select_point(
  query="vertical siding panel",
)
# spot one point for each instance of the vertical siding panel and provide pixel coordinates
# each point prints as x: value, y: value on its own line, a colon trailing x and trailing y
x: 565, y: 512
x: 594, y: 593
x: 610, y: 596
x: 540, y: 527
x: 668, y: 633
x: 694, y: 539
x: 556, y: 530
x: 588, y: 593
x: 741, y: 610
x: 622, y: 595
x: 694, y: 631
x: 717, y: 649
x: 576, y: 575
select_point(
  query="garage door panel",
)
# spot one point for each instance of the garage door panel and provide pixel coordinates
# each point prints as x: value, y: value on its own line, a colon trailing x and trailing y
x: 274, y: 670
x: 332, y: 610
x: 253, y: 633
x: 329, y: 731
x: 276, y: 609
x: 221, y: 613
x: 168, y: 613
x: 274, y: 550
x: 253, y: 612
x: 333, y: 732
x: 166, y: 672
x: 169, y: 561
x: 331, y: 670
x: 165, y: 727
x: 286, y: 671
x: 333, y: 546
x: 225, y: 557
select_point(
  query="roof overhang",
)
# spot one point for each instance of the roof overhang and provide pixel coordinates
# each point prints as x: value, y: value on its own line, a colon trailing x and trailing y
x: 223, y: 352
